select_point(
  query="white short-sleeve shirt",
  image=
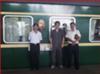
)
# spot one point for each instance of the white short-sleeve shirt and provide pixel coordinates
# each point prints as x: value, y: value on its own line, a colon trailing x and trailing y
x: 71, y: 35
x: 34, y: 37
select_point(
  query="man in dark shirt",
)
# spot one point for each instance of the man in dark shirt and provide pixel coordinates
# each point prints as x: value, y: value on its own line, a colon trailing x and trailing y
x: 65, y: 28
x: 64, y: 49
x: 57, y: 42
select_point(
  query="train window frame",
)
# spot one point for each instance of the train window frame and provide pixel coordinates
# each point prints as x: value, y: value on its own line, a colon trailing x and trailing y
x: 91, y: 31
x: 59, y: 17
x: 4, y: 38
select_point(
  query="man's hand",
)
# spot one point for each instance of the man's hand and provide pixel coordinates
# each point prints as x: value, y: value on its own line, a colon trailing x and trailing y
x: 62, y: 45
x: 77, y: 37
x: 73, y: 42
x: 50, y: 45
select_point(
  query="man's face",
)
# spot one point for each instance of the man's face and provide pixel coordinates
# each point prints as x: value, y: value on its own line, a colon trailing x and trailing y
x: 65, y: 26
x: 72, y: 27
x: 57, y: 25
x: 35, y: 27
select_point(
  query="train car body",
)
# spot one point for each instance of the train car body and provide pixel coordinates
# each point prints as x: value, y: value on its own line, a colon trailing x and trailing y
x: 17, y: 19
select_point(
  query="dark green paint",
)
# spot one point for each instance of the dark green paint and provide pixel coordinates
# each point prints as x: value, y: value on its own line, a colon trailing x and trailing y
x: 24, y: 7
x: 82, y: 22
x: 18, y: 57
x: 82, y: 25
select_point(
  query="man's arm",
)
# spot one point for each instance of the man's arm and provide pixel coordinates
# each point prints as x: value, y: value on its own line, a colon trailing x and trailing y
x: 41, y: 37
x: 68, y: 39
x: 78, y: 35
x: 77, y: 38
x: 62, y: 45
x: 29, y: 41
x: 29, y: 37
x: 51, y: 39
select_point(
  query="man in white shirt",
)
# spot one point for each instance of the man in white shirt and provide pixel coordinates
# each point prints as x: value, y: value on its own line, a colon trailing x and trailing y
x: 35, y: 38
x: 73, y: 36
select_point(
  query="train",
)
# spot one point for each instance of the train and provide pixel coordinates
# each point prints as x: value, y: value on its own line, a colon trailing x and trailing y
x: 18, y: 18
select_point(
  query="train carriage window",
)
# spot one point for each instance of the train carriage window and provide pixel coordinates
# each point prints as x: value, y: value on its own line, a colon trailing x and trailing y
x: 63, y: 21
x: 16, y: 28
x: 94, y: 30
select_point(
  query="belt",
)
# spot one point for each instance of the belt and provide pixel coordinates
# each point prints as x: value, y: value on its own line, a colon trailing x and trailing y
x: 34, y: 44
x: 72, y: 44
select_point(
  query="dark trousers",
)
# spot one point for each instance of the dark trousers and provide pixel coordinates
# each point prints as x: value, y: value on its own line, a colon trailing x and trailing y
x: 65, y: 55
x: 56, y: 54
x: 73, y: 51
x: 34, y: 55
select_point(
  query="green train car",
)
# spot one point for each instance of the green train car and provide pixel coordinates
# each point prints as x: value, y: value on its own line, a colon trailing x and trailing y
x: 17, y: 19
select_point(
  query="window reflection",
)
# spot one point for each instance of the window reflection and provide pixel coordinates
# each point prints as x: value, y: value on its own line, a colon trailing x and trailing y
x: 94, y: 34
x: 64, y: 22
x: 16, y: 28
x: 97, y: 30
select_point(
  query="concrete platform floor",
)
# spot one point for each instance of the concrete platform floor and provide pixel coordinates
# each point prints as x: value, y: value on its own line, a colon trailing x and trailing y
x: 84, y: 69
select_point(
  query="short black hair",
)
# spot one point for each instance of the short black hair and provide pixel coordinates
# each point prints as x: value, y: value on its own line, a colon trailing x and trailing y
x: 64, y: 24
x: 73, y: 23
x: 35, y: 24
x: 57, y: 22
